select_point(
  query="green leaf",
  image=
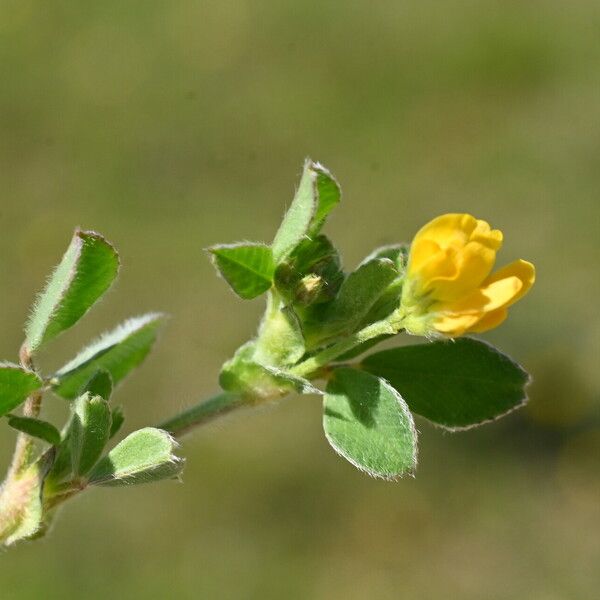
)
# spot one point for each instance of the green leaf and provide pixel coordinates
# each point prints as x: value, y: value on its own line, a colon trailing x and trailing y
x: 297, y: 221
x: 390, y: 299
x: 144, y: 456
x: 118, y: 418
x: 36, y: 428
x: 455, y: 384
x: 358, y: 294
x: 247, y: 267
x: 368, y: 423
x: 117, y: 352
x: 99, y: 384
x: 16, y: 384
x: 90, y: 431
x: 329, y: 195
x: 85, y: 273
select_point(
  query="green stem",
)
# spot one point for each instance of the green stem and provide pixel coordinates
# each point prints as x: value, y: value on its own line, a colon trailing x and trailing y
x: 312, y: 365
x: 25, y: 445
x: 199, y: 414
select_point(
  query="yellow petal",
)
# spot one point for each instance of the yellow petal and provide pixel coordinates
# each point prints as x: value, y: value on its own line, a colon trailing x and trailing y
x: 473, y: 264
x: 441, y: 264
x: 492, y: 238
x: 489, y: 321
x: 421, y: 251
x: 448, y: 230
x: 494, y: 295
x: 521, y: 269
x: 455, y: 325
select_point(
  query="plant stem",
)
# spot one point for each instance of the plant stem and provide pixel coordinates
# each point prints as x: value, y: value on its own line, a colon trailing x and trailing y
x: 25, y: 445
x: 311, y: 365
x: 209, y: 409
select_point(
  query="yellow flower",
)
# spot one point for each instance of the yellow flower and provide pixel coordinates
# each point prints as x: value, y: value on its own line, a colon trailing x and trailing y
x: 449, y: 288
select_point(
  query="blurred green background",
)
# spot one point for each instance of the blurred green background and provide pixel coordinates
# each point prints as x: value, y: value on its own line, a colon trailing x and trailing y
x: 169, y: 126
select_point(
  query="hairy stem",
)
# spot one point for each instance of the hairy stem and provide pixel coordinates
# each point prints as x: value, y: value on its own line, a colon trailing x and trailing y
x: 312, y: 365
x: 25, y: 445
x: 199, y: 414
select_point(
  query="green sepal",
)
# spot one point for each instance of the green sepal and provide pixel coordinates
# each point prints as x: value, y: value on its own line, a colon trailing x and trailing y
x: 367, y: 422
x: 16, y: 384
x: 36, y: 428
x: 454, y: 384
x: 117, y: 352
x: 144, y: 456
x: 90, y: 431
x: 247, y: 267
x: 86, y: 271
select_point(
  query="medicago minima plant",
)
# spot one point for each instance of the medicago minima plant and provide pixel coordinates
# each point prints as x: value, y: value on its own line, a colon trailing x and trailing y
x: 316, y: 337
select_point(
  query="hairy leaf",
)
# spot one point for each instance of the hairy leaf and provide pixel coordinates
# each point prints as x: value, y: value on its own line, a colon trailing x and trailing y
x: 329, y: 195
x: 90, y: 432
x: 36, y: 428
x: 247, y: 267
x: 118, y: 418
x: 357, y: 296
x: 99, y: 384
x: 455, y: 384
x: 144, y: 456
x: 297, y: 220
x: 16, y: 384
x: 117, y: 352
x: 85, y: 273
x: 369, y: 424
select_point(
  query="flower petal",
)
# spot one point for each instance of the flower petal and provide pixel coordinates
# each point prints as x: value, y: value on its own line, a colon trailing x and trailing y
x: 484, y: 234
x: 494, y: 295
x: 521, y: 269
x: 421, y: 251
x: 455, y: 325
x: 451, y: 230
x: 473, y: 264
x: 489, y: 321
